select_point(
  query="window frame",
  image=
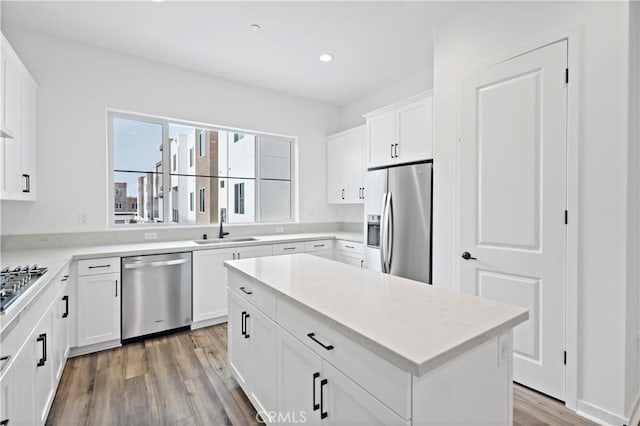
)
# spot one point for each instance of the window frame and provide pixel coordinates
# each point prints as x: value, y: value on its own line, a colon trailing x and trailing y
x: 112, y: 114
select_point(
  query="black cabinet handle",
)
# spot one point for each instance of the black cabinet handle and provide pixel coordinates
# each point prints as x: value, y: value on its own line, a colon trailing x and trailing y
x: 242, y: 323
x: 99, y: 266
x: 289, y: 248
x: 323, y: 414
x: 467, y: 256
x: 116, y: 288
x: 4, y: 422
x: 246, y: 334
x: 391, y: 150
x: 27, y: 183
x: 315, y: 404
x: 65, y: 299
x: 245, y: 291
x: 312, y: 337
x: 351, y: 247
x: 343, y: 193
x: 42, y: 338
x: 318, y: 245
x: 396, y: 150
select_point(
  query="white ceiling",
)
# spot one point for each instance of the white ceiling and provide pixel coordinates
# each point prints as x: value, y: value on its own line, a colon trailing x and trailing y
x: 373, y: 43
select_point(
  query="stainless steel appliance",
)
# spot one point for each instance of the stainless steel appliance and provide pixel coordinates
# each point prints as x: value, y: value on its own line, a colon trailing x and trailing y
x: 15, y: 281
x: 156, y: 293
x: 398, y: 220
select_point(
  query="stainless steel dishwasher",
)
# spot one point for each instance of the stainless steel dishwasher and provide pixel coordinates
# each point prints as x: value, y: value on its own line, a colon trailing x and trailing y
x: 156, y: 293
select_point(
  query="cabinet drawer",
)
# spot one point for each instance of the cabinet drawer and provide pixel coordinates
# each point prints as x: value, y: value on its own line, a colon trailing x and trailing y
x: 105, y: 265
x: 327, y: 254
x: 349, y: 246
x: 318, y: 245
x: 253, y: 292
x: 388, y: 383
x: 288, y: 248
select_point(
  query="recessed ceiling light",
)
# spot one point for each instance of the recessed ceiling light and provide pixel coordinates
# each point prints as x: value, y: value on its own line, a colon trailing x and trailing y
x: 255, y: 27
x: 326, y: 57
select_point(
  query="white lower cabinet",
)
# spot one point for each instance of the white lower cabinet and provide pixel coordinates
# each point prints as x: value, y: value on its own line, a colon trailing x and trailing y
x: 210, y: 278
x: 61, y: 327
x: 287, y: 381
x: 17, y: 390
x: 252, y: 353
x: 41, y: 348
x: 98, y: 308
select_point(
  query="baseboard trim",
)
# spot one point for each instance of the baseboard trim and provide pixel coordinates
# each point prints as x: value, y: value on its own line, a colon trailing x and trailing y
x: 83, y: 350
x: 209, y: 322
x: 599, y: 415
x: 634, y: 416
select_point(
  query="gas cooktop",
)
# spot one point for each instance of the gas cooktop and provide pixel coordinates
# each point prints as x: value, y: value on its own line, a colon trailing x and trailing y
x: 15, y: 281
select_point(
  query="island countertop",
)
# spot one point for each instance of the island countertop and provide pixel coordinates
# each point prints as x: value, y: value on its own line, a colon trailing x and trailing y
x: 416, y: 326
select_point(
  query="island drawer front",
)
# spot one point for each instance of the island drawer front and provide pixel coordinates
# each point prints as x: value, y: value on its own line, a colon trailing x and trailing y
x: 288, y: 248
x: 385, y: 381
x: 253, y: 292
x: 105, y: 265
x: 349, y: 246
x: 318, y: 245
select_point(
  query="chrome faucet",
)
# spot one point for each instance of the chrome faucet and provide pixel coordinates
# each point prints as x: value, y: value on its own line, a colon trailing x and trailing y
x: 223, y: 215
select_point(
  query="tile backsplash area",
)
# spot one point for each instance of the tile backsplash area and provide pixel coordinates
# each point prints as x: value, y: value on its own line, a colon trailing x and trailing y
x: 132, y: 236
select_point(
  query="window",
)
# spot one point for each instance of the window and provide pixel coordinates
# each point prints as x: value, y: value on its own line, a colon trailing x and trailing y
x: 118, y: 205
x: 202, y: 148
x: 202, y: 200
x: 238, y: 205
x: 161, y: 166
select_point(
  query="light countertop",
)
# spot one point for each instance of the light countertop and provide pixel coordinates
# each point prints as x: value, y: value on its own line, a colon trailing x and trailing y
x: 57, y: 258
x: 411, y: 324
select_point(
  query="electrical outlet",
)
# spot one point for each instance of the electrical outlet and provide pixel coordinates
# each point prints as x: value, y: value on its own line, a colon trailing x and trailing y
x: 150, y: 236
x: 82, y: 219
x: 279, y: 229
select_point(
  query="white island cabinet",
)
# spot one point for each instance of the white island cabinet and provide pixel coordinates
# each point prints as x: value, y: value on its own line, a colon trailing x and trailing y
x: 325, y: 343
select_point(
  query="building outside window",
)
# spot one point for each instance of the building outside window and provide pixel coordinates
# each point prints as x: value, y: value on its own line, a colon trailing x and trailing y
x: 248, y: 175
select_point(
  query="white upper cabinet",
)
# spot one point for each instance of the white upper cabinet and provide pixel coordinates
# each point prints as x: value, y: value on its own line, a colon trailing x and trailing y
x: 346, y: 166
x: 401, y: 133
x: 17, y: 127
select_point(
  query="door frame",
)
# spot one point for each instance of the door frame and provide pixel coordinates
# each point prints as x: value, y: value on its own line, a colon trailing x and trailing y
x: 573, y: 36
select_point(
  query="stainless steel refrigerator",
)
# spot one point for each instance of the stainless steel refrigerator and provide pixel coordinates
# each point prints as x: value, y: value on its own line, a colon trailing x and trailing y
x: 398, y: 221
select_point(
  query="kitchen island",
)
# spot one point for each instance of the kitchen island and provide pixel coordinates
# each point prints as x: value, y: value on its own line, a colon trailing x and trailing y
x: 312, y: 340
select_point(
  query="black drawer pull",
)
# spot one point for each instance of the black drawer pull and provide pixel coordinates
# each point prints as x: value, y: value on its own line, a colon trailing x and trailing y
x: 246, y: 333
x: 242, y: 322
x: 315, y: 404
x: 318, y: 245
x: 312, y: 337
x: 99, y: 266
x: 42, y: 338
x: 66, y: 306
x: 289, y: 248
x: 323, y: 414
x: 245, y: 291
x: 351, y: 247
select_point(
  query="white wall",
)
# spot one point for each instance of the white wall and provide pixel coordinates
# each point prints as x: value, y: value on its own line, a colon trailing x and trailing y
x: 78, y: 82
x: 487, y: 32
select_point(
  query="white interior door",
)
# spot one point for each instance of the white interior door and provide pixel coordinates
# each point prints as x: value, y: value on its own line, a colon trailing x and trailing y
x: 512, y: 203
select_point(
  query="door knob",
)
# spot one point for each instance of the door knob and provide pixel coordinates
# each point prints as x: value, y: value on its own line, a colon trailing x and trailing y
x: 467, y: 256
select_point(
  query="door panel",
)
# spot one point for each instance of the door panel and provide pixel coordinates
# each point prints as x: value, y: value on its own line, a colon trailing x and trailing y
x: 410, y: 189
x: 382, y: 135
x: 210, y: 283
x: 296, y: 366
x: 263, y: 337
x: 414, y: 132
x: 512, y: 202
x: 239, y: 350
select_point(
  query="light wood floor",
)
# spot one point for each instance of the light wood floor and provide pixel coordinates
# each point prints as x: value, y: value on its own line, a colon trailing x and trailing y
x: 184, y: 379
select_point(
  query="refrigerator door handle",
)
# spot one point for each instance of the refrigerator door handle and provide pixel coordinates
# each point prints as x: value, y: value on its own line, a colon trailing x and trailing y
x: 383, y: 233
x: 389, y: 249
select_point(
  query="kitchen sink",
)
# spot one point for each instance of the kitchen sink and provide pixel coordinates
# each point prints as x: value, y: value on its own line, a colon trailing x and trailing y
x: 226, y: 240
